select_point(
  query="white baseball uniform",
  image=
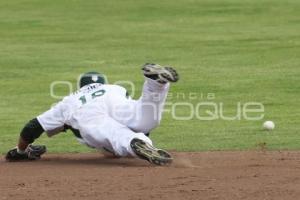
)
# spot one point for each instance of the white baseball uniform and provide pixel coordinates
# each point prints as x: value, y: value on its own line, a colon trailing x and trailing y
x: 106, y: 118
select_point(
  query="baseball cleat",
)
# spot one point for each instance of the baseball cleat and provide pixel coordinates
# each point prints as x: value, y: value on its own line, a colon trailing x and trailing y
x: 147, y: 152
x: 32, y: 152
x: 160, y: 74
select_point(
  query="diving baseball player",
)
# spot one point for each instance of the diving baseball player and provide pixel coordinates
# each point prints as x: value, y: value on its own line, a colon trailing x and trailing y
x: 103, y: 117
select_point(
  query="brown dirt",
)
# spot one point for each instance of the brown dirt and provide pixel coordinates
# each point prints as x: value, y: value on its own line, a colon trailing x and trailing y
x: 205, y: 175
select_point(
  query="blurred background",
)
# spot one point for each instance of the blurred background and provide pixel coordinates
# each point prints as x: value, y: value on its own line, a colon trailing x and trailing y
x: 240, y: 51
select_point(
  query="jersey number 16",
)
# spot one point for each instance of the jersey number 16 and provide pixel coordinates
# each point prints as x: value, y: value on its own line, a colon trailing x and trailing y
x: 98, y: 93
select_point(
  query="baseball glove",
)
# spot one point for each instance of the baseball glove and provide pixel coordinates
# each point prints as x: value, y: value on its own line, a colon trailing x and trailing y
x: 32, y: 152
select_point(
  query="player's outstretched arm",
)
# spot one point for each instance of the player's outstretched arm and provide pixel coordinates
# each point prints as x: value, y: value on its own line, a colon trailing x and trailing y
x: 24, y: 150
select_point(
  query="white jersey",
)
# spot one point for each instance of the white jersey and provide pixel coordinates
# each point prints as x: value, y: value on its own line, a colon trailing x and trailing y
x: 100, y: 98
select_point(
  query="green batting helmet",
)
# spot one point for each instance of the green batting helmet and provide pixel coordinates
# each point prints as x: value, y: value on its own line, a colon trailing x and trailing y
x: 91, y: 77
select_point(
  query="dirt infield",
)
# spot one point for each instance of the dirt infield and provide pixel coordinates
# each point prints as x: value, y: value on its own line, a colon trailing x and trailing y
x: 205, y: 175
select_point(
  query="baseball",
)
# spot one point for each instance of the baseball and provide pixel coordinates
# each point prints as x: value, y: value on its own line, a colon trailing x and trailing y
x: 268, y: 125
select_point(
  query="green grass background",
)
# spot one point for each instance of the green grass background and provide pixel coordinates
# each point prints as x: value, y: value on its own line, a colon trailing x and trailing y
x: 239, y: 50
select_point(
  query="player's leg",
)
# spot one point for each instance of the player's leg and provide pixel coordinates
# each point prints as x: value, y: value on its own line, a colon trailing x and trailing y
x: 50, y: 121
x: 149, y: 107
x: 104, y: 132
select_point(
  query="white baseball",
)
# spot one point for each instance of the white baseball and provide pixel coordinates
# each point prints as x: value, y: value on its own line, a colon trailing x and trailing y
x: 268, y: 125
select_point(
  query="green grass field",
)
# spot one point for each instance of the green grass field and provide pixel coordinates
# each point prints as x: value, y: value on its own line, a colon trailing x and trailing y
x: 241, y: 51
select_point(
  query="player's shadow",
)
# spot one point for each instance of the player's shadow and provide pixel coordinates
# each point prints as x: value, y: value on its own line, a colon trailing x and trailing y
x: 96, y: 160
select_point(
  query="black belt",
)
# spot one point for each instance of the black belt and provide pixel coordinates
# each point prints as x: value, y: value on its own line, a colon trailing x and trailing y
x: 76, y: 132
